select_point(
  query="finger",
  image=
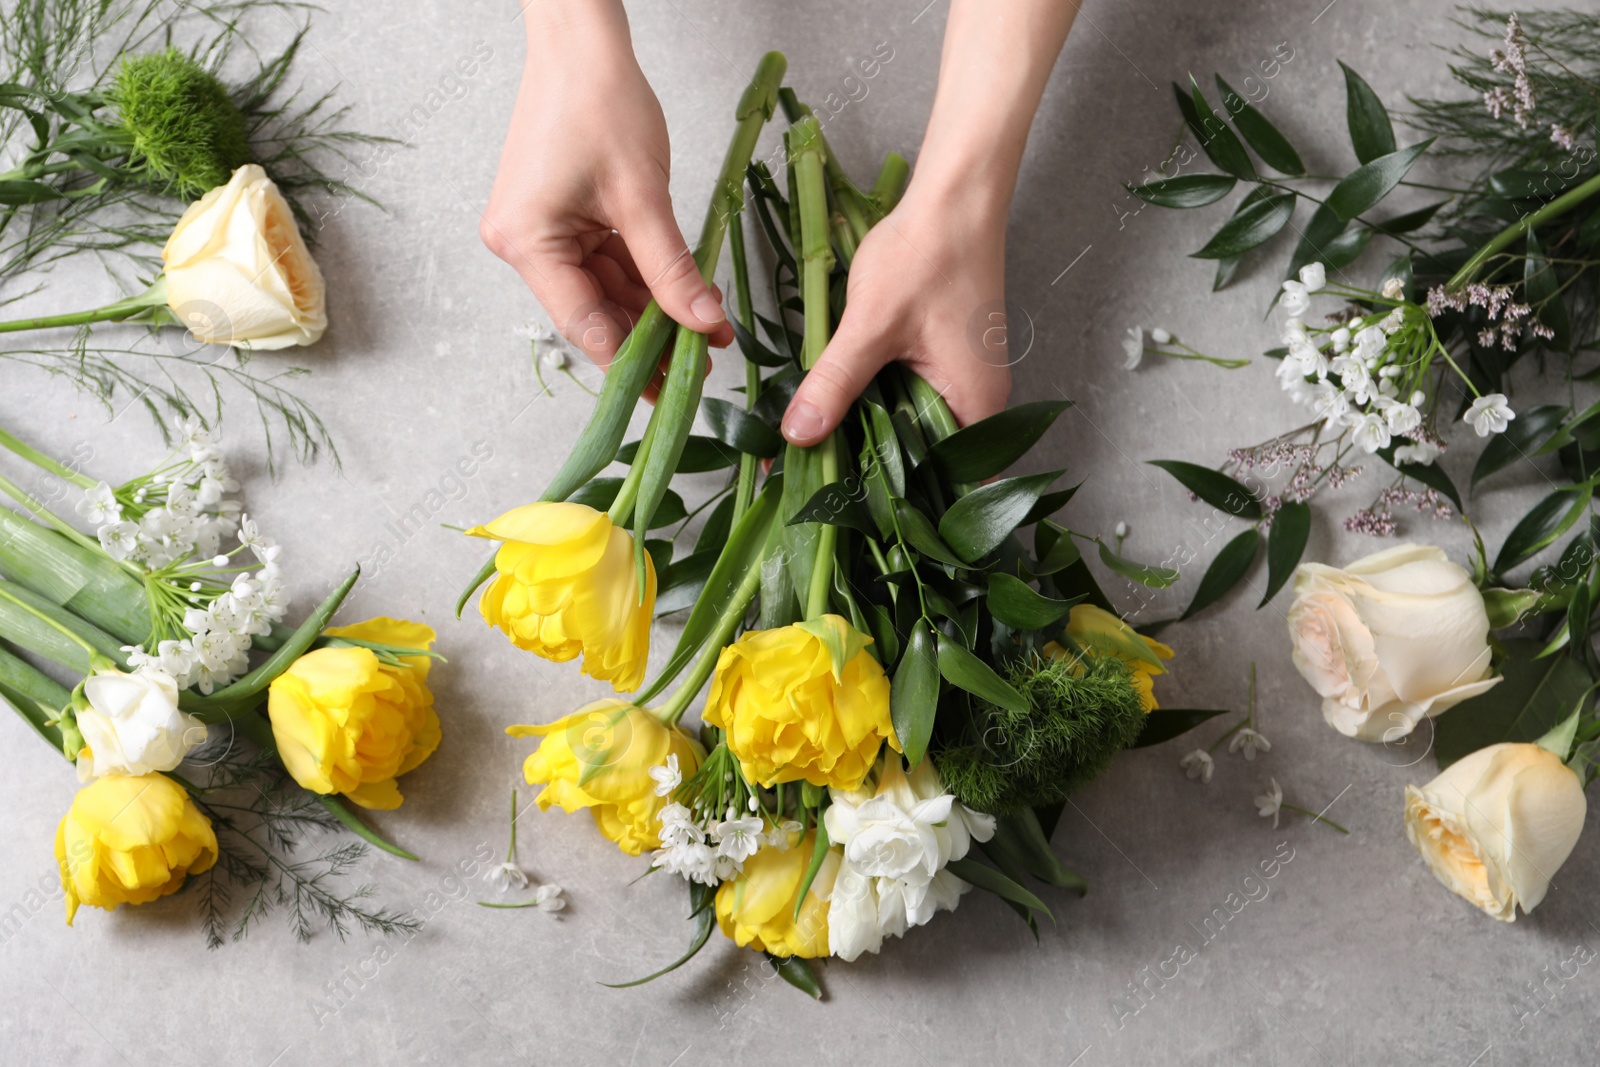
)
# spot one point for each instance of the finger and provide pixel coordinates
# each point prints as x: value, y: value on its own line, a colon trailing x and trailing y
x: 668, y: 268
x: 613, y: 278
x: 570, y: 295
x: 972, y: 388
x: 844, y: 370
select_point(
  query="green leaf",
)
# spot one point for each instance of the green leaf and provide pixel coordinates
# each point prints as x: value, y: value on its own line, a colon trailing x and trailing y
x: 1315, y: 240
x: 842, y: 642
x: 1214, y: 487
x: 987, y: 447
x: 976, y: 523
x: 1261, y: 135
x: 1429, y: 474
x: 1291, y: 528
x: 921, y: 535
x: 1521, y: 440
x: 1020, y: 606
x: 1185, y: 190
x: 1163, y: 724
x: 1049, y: 504
x: 834, y: 506
x: 1544, y: 522
x: 1411, y: 220
x: 985, y: 877
x: 1363, y: 187
x: 1022, y: 841
x: 601, y: 492
x: 15, y: 192
x: 1253, y: 226
x: 734, y: 426
x: 798, y: 973
x: 1542, y: 290
x: 819, y: 852
x: 1371, y: 132
x: 1216, y: 139
x: 1558, y: 742
x: 1534, y: 697
x: 756, y: 352
x: 680, y: 583
x: 914, y: 693
x: 744, y: 550
x: 703, y: 911
x: 700, y: 454
x: 966, y: 671
x: 1226, y: 269
x: 1143, y: 573
x: 1230, y: 566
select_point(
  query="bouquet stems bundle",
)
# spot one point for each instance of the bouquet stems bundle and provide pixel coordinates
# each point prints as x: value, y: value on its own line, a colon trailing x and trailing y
x: 885, y: 653
x: 152, y: 622
x: 1505, y: 266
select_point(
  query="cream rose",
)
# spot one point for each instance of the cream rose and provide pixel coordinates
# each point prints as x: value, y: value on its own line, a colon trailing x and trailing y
x: 1395, y: 637
x: 1497, y: 825
x: 238, y: 271
x: 133, y: 725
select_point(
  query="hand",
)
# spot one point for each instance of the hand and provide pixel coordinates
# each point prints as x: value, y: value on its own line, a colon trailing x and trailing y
x: 580, y: 205
x: 927, y: 287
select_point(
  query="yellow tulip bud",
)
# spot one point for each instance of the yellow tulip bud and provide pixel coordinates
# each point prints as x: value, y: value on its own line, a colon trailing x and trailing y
x: 757, y: 907
x: 129, y: 840
x: 802, y: 702
x: 1100, y: 633
x: 567, y: 584
x: 599, y: 758
x: 346, y: 722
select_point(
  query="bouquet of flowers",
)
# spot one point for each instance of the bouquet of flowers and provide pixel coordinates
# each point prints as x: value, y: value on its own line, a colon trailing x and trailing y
x: 153, y: 618
x: 900, y: 680
x: 1503, y: 267
x: 108, y: 131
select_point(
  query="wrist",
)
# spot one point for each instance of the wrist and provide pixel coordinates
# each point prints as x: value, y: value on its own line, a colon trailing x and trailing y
x: 576, y: 28
x: 967, y: 193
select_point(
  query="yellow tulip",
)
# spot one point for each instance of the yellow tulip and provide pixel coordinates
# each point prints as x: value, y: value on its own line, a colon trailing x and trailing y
x: 346, y: 722
x: 805, y: 701
x: 128, y: 840
x: 1098, y: 632
x: 757, y: 907
x: 567, y: 584
x: 599, y: 758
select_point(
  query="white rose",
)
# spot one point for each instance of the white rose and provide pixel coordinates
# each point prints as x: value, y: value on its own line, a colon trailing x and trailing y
x: 133, y: 725
x: 238, y: 271
x: 1497, y: 825
x: 1390, y: 639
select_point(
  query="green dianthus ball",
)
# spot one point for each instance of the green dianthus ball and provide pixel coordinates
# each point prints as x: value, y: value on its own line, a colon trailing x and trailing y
x: 183, y: 124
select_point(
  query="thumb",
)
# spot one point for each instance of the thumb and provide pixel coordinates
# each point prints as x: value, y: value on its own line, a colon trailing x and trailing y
x: 845, y: 369
x: 667, y: 266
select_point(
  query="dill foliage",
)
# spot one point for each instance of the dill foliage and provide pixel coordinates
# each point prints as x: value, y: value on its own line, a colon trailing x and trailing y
x: 266, y: 860
x: 1081, y: 713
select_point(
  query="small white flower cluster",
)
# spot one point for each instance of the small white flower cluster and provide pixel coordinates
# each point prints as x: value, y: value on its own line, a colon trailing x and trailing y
x: 1200, y: 763
x: 172, y: 523
x: 179, y: 511
x: 1350, y: 375
x: 709, y: 850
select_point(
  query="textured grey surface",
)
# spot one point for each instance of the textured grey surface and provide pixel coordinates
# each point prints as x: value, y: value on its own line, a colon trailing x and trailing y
x: 1354, y: 956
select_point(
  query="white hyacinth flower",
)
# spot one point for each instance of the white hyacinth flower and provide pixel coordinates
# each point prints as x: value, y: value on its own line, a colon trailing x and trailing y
x: 1133, y: 347
x: 1250, y: 742
x: 1313, y: 276
x: 1489, y: 414
x: 99, y: 505
x: 507, y: 876
x: 1296, y: 297
x: 1199, y: 764
x: 667, y: 776
x: 1271, y: 802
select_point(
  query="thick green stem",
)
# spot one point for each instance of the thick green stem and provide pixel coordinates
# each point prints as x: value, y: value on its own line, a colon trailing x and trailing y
x: 97, y: 660
x: 806, y: 151
x: 748, y: 464
x: 679, y: 700
x: 36, y: 697
x: 1561, y: 204
x: 891, y: 182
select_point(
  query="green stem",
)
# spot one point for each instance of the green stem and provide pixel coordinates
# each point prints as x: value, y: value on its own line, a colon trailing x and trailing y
x: 622, y: 507
x: 511, y: 853
x: 1565, y: 202
x: 155, y: 296
x: 1315, y: 817
x: 679, y: 700
x: 39, y: 459
x: 748, y: 464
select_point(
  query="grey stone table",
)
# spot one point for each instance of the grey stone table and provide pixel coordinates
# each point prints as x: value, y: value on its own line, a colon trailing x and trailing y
x: 1354, y: 955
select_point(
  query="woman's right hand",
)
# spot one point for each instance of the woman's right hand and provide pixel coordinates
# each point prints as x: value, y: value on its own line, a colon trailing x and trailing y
x: 580, y: 206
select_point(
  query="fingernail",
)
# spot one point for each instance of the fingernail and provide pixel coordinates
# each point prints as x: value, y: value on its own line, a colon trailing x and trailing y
x: 802, y: 423
x: 707, y: 310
